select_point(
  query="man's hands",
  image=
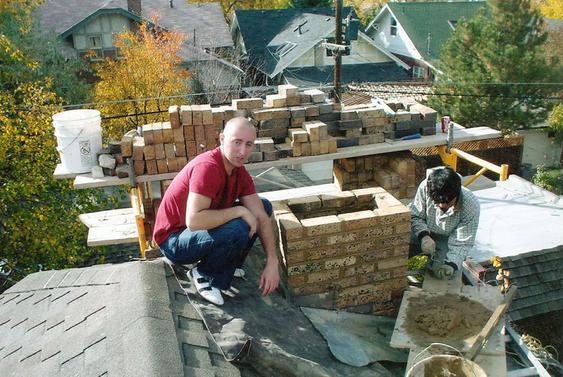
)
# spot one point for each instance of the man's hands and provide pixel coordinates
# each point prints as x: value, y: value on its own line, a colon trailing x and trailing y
x: 270, y: 277
x: 427, y: 245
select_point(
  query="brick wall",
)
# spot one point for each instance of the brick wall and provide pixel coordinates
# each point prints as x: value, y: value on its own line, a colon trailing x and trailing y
x: 344, y: 251
x: 395, y: 172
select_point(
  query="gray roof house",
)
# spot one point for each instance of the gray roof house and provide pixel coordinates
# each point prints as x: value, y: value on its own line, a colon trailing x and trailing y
x: 287, y: 45
x: 90, y: 25
x: 416, y: 31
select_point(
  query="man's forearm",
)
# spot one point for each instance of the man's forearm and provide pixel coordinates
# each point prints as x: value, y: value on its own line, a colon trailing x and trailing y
x: 212, y: 218
x: 266, y: 234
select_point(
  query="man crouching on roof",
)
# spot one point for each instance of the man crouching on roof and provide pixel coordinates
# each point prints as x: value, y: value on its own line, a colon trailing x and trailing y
x: 211, y: 215
x: 444, y: 221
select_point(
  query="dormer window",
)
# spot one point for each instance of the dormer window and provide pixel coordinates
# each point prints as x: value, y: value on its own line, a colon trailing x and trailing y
x: 393, y: 29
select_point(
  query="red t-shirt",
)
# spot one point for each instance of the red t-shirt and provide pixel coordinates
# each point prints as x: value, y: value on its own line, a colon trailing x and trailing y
x: 204, y: 175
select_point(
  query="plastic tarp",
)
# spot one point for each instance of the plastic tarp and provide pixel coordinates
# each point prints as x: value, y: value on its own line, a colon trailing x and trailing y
x: 356, y: 339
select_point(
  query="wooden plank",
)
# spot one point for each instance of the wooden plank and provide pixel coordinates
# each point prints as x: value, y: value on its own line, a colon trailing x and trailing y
x: 104, y: 218
x: 492, y: 323
x: 461, y: 135
x: 62, y: 173
x: 113, y: 235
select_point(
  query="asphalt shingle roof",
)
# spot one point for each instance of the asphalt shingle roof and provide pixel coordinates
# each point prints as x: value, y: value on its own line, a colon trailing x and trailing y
x: 205, y: 20
x: 131, y: 319
x: 349, y: 73
x: 265, y: 32
x: 424, y: 21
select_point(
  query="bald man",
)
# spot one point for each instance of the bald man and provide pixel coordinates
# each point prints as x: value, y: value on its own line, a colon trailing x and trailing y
x: 211, y: 215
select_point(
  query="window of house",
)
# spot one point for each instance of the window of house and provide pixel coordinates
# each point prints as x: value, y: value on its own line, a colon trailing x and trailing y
x: 418, y: 72
x: 95, y: 41
x: 393, y: 29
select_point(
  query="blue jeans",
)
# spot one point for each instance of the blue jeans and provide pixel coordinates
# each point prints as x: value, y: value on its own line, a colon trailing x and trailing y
x: 219, y: 251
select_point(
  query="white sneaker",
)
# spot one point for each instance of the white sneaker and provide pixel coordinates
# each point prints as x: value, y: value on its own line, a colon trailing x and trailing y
x: 239, y: 273
x: 203, y: 286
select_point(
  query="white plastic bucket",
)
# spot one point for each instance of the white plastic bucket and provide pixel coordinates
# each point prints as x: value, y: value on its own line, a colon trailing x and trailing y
x: 79, y: 139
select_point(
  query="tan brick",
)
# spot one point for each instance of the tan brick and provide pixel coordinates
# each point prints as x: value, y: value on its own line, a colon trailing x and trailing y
x: 294, y: 257
x: 148, y: 152
x: 162, y: 166
x: 393, y: 215
x: 297, y: 280
x: 303, y: 244
x: 152, y: 167
x: 288, y: 90
x: 148, y: 134
x: 309, y: 289
x: 399, y: 272
x: 348, y: 164
x: 159, y: 151
x: 186, y: 114
x: 332, y: 145
x: 305, y: 205
x: 401, y: 250
x: 280, y: 207
x: 247, y: 103
x: 315, y: 148
x: 312, y: 110
x: 323, y: 276
x: 366, y: 195
x: 293, y: 101
x: 139, y: 167
x: 305, y: 268
x: 291, y: 227
x: 321, y: 225
x: 340, y: 238
x: 386, y: 200
x: 361, y: 295
x: 360, y: 247
x: 189, y: 133
x: 324, y: 252
x: 391, y: 263
x: 359, y: 269
x: 178, y: 134
x: 346, y: 282
x: 275, y: 100
x: 206, y: 114
x: 167, y: 133
x: 298, y: 135
x: 174, y: 115
x: 323, y: 147
x: 341, y: 262
x: 340, y: 199
x: 377, y: 232
x: 377, y: 276
x: 359, y: 219
x: 403, y: 227
x: 393, y: 241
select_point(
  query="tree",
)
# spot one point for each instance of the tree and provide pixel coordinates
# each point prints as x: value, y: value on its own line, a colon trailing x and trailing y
x: 230, y: 5
x: 149, y: 69
x: 39, y: 226
x: 550, y: 8
x: 311, y: 3
x: 494, y: 70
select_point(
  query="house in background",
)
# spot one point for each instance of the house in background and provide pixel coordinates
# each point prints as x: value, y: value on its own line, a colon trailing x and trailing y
x: 415, y: 32
x: 287, y: 46
x: 91, y: 25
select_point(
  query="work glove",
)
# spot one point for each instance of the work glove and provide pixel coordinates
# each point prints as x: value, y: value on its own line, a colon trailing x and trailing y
x: 427, y: 245
x: 443, y: 271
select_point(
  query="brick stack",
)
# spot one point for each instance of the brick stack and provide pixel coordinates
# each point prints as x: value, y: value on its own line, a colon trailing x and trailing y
x: 395, y: 172
x: 311, y: 139
x: 410, y: 117
x: 345, y: 251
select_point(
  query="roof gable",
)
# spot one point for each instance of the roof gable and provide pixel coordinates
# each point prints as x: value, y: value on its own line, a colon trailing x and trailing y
x: 203, y: 23
x: 429, y: 24
x: 284, y: 34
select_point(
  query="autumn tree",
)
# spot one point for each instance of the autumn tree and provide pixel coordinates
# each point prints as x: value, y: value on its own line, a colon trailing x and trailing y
x: 39, y: 226
x: 138, y: 83
x: 230, y: 5
x: 494, y: 70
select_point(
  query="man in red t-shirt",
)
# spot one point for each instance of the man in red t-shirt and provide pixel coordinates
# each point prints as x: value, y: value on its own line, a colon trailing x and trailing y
x: 199, y: 222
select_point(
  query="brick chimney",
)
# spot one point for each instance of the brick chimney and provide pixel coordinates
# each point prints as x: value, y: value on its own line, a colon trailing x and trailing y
x: 134, y: 6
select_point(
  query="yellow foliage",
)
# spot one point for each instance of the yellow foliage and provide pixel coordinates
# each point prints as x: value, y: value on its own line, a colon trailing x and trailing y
x: 550, y: 8
x: 149, y: 68
x: 366, y: 9
x: 229, y: 6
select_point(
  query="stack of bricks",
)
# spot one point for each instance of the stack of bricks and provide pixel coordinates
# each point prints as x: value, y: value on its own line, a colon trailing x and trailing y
x: 344, y: 251
x: 311, y: 139
x: 410, y: 117
x: 395, y: 172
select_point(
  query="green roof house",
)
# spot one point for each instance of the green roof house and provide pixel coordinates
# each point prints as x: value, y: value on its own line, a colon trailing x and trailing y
x: 415, y: 32
x: 289, y: 46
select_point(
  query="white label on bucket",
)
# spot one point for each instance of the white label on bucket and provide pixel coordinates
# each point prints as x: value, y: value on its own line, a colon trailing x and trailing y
x: 84, y: 147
